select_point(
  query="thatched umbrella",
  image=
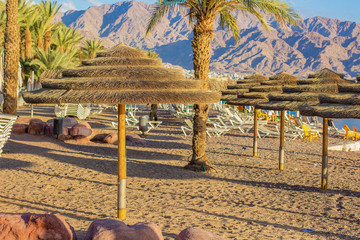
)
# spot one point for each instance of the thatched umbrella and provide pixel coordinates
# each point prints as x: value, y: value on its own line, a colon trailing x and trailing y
x: 121, y: 75
x: 313, y: 94
x: 242, y: 86
x: 325, y: 93
x: 258, y: 95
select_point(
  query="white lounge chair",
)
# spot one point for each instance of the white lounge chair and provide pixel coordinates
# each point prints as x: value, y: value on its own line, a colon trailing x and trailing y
x: 211, y: 132
x: 6, y: 123
x: 78, y: 110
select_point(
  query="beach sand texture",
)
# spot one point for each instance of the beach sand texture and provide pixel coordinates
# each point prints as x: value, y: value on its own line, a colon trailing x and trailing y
x: 247, y: 198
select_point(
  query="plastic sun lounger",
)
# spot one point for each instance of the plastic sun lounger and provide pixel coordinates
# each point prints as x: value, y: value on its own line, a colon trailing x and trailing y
x: 6, y: 123
x: 211, y: 132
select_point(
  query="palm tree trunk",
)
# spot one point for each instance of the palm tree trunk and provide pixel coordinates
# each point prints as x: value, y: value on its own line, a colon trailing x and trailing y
x: 22, y: 48
x: 201, y: 43
x: 28, y: 43
x: 47, y: 41
x: 1, y: 37
x: 12, y: 38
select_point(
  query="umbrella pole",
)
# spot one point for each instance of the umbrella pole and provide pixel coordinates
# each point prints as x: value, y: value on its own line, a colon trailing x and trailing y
x: 282, y: 140
x: 121, y: 203
x: 255, y: 131
x: 324, y: 166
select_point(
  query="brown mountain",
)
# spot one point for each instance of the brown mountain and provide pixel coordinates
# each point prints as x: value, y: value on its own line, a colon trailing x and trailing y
x: 318, y: 43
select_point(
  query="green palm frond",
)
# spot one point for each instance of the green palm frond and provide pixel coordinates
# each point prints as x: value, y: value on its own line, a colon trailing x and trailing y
x: 91, y: 47
x: 228, y: 21
x: 54, y: 60
x: 208, y: 9
x: 160, y: 10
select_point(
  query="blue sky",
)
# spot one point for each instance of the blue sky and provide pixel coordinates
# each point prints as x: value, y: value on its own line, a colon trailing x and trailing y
x: 344, y: 10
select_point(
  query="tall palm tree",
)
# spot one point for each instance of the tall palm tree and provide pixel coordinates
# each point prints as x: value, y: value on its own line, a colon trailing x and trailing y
x: 64, y: 37
x: 91, y: 47
x: 204, y: 13
x: 28, y: 15
x: 11, y: 57
x: 48, y: 10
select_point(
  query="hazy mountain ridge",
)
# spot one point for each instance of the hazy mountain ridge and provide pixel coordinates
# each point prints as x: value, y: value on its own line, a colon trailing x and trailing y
x: 320, y: 42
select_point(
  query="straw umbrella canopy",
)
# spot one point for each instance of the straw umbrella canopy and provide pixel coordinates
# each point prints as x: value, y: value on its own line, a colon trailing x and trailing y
x: 258, y: 95
x: 325, y: 94
x: 121, y: 75
x: 242, y: 86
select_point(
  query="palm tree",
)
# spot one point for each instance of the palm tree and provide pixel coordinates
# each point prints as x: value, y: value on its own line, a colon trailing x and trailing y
x: 11, y: 57
x: 64, y: 37
x: 27, y: 17
x: 204, y: 12
x: 91, y: 47
x: 54, y: 59
x: 47, y: 10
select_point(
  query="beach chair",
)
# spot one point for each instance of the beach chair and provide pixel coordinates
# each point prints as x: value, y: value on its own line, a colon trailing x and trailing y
x: 348, y: 133
x: 6, y: 123
x: 356, y: 133
x: 78, y: 110
x: 154, y: 124
x: 309, y: 134
x: 262, y: 130
x: 211, y: 132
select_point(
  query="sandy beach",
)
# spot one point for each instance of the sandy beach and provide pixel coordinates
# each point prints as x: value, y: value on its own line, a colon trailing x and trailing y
x: 247, y: 198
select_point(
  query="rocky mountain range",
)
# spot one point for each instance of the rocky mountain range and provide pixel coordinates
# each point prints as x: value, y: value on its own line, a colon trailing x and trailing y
x: 317, y: 43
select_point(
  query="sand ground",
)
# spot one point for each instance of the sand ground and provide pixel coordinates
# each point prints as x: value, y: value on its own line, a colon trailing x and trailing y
x: 247, y: 198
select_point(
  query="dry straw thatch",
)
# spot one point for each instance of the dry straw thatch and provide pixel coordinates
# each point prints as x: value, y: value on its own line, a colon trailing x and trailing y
x: 267, y: 89
x: 280, y: 82
x: 119, y: 84
x: 284, y: 105
x: 322, y: 81
x: 123, y: 51
x: 344, y: 98
x: 48, y: 74
x: 234, y: 91
x: 246, y: 102
x: 219, y: 84
x: 110, y: 83
x: 326, y: 73
x: 127, y: 72
x: 254, y: 95
x: 116, y: 61
x: 243, y: 86
x: 296, y: 97
x: 260, y: 90
x: 312, y: 88
x: 331, y: 111
x: 256, y: 76
x: 283, y: 76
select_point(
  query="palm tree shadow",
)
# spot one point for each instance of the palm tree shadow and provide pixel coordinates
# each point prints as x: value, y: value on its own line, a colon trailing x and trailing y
x: 8, y: 163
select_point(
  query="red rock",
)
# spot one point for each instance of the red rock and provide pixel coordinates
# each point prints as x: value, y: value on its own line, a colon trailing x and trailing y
x: 48, y: 131
x: 36, y: 127
x: 135, y: 138
x: 99, y: 137
x: 111, y: 229
x: 81, y: 129
x: 35, y: 226
x: 197, y: 234
x: 19, y: 129
x: 111, y: 138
